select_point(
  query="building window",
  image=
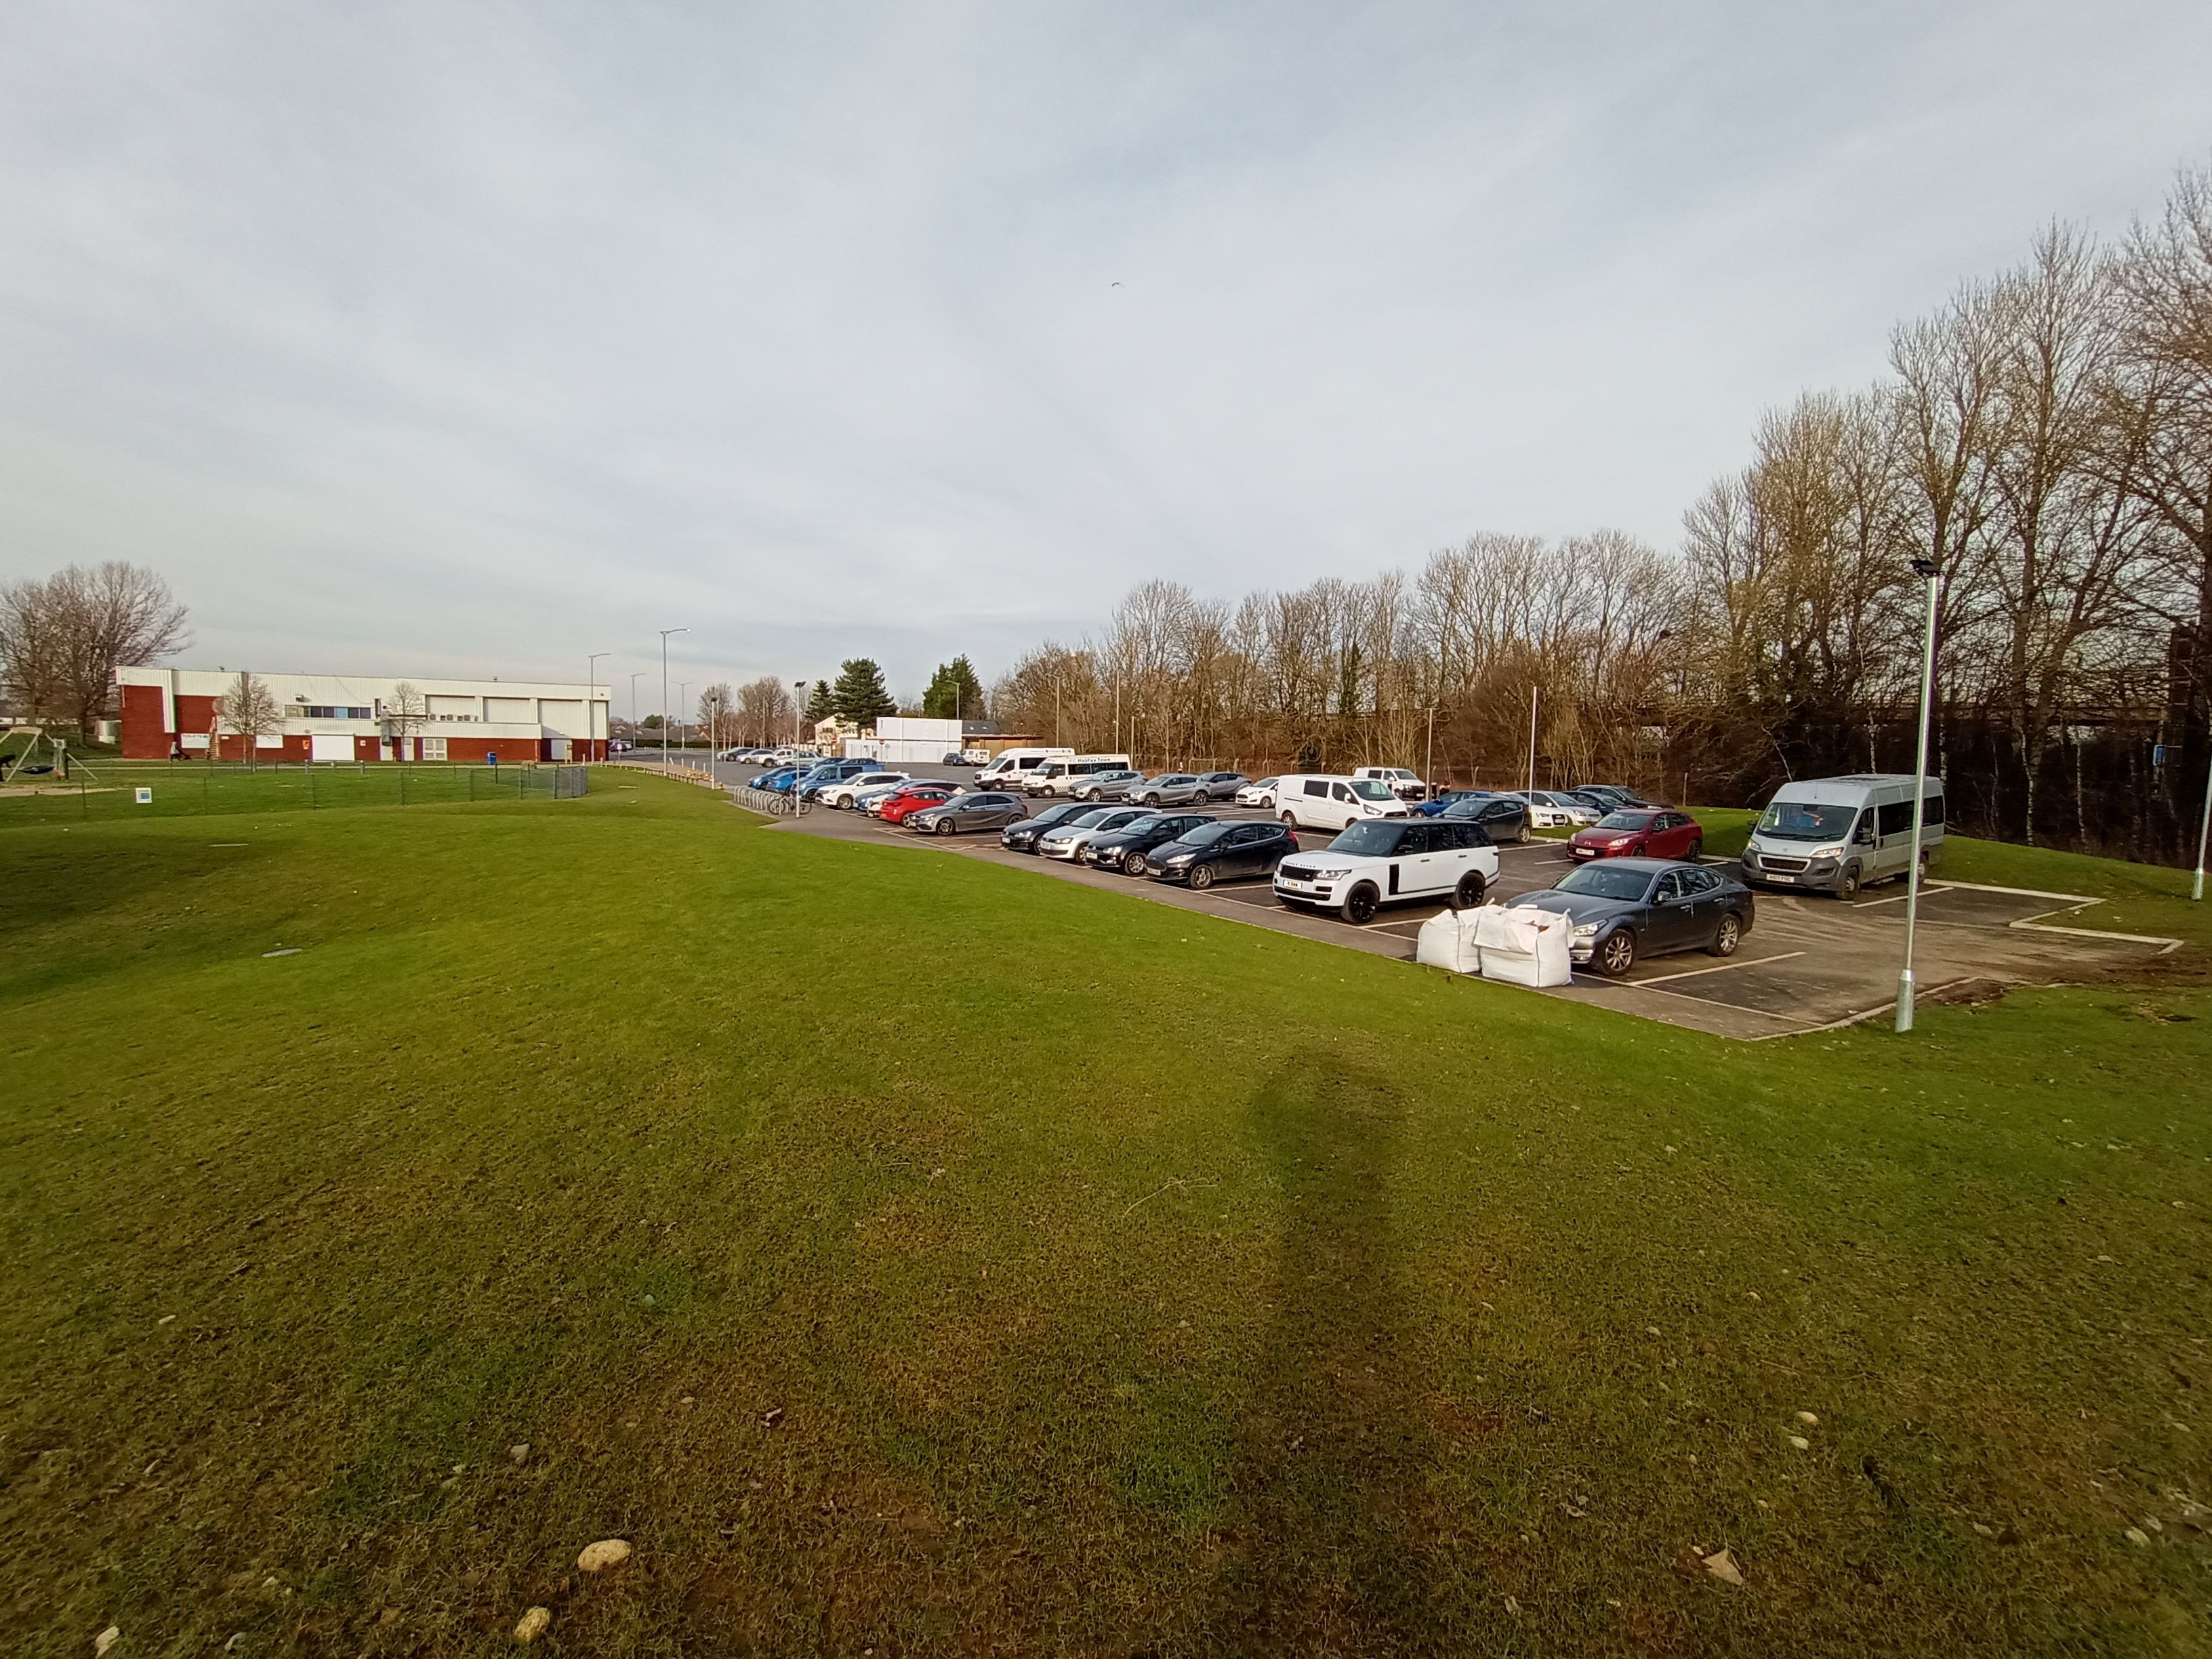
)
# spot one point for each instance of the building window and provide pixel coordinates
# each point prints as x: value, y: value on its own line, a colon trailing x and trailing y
x: 332, y: 712
x: 432, y: 748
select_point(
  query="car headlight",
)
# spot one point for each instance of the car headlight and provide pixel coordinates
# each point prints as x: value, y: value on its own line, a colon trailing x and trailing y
x: 1585, y: 930
x: 1829, y: 853
x: 1329, y: 874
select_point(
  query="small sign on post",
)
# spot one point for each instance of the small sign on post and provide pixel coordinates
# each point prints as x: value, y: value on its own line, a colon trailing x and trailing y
x: 145, y: 797
x: 2157, y: 754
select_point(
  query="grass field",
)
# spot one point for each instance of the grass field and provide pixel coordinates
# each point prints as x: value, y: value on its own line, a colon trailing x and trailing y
x: 108, y: 791
x: 910, y: 1255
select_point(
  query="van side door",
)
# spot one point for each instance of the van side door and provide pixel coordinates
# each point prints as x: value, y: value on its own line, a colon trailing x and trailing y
x: 1343, y: 806
x: 1893, y: 848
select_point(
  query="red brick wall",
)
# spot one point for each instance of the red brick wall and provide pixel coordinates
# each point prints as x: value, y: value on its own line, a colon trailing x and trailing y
x: 144, y: 737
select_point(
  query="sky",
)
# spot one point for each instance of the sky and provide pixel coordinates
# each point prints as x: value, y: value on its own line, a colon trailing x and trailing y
x: 461, y: 338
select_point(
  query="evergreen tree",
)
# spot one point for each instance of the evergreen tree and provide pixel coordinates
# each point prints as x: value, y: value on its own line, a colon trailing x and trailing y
x: 954, y: 692
x: 821, y: 703
x: 860, y: 694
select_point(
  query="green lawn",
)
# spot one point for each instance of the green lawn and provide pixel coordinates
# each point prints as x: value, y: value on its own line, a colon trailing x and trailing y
x: 914, y: 1255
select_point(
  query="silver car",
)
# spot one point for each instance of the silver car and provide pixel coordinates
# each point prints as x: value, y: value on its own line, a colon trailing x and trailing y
x: 1067, y: 840
x: 1168, y: 789
x: 1105, y: 786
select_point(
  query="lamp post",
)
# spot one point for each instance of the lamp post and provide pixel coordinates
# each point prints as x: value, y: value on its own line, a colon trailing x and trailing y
x: 797, y: 708
x: 634, y: 731
x: 2204, y: 830
x: 1535, y: 698
x: 1927, y: 570
x: 591, y: 667
x: 665, y: 633
x: 684, y: 701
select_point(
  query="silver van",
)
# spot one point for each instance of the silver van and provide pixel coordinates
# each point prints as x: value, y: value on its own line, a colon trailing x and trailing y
x: 1837, y: 835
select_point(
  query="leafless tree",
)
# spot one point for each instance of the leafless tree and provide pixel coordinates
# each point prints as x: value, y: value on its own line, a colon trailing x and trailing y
x: 764, y: 710
x: 406, y: 711
x: 248, y: 709
x: 62, y: 638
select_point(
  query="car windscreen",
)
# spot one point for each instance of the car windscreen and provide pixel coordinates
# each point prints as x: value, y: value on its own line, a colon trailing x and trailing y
x: 1369, y: 789
x: 1625, y: 821
x: 1089, y: 817
x: 1205, y: 835
x: 1607, y: 881
x: 1061, y: 814
x: 1139, y: 826
x: 1806, y: 820
x: 1372, y: 840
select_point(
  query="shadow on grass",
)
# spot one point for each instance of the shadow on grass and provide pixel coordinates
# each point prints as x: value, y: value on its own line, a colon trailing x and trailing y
x: 1326, y: 1497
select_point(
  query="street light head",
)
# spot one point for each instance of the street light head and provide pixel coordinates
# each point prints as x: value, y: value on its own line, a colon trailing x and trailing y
x: 1926, y: 569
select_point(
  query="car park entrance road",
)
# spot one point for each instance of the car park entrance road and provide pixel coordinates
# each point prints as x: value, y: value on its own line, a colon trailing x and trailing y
x: 1809, y: 963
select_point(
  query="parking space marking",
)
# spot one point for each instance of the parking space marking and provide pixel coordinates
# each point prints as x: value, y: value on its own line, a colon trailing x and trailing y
x: 1684, y: 996
x: 1720, y: 968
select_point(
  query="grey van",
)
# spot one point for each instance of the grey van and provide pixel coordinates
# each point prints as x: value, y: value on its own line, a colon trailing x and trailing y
x: 1837, y: 835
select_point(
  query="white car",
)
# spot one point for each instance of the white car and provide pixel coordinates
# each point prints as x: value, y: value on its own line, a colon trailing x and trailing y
x: 1261, y: 793
x: 1066, y: 841
x: 975, y: 757
x: 1405, y: 785
x: 871, y: 800
x: 841, y: 794
x: 1386, y: 861
x: 1550, y: 809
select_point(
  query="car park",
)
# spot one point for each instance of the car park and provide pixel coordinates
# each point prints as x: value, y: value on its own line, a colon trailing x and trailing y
x: 1325, y: 801
x: 842, y: 792
x: 776, y: 783
x: 1579, y: 814
x: 1261, y: 793
x: 1222, y: 786
x: 1405, y: 784
x: 987, y: 809
x: 1657, y: 832
x: 1022, y: 837
x: 1125, y: 848
x: 1503, y: 817
x: 1377, y: 863
x: 1838, y: 834
x: 1107, y: 785
x: 913, y: 798
x: 1064, y: 840
x: 1613, y: 797
x: 813, y: 784
x: 1221, y: 852
x: 1625, y: 909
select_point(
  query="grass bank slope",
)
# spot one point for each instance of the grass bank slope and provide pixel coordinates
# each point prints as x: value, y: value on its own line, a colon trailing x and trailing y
x: 910, y: 1255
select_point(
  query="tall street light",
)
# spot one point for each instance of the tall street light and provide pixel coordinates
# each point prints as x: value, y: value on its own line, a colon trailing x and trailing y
x: 634, y: 728
x: 1927, y: 570
x: 684, y: 701
x: 2203, y: 830
x: 798, y: 707
x: 665, y: 633
x: 591, y: 667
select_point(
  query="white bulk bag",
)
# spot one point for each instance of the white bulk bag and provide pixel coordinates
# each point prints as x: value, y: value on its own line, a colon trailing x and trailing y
x: 1524, y: 946
x: 1447, y: 940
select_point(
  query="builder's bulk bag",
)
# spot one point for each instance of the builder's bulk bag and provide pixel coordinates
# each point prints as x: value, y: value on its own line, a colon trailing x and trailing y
x: 1523, y: 945
x: 1447, y: 940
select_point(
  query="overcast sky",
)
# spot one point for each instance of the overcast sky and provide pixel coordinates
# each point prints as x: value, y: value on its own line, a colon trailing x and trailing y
x: 469, y: 338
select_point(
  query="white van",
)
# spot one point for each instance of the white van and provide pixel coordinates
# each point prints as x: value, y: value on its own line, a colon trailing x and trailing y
x: 1837, y: 835
x: 1401, y: 781
x: 1059, y: 776
x: 1323, y: 801
x: 1014, y: 765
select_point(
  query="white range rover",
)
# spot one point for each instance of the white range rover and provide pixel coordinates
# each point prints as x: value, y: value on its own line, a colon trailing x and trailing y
x: 1387, y: 861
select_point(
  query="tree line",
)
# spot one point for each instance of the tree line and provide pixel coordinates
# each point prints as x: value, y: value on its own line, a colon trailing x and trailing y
x: 2044, y: 440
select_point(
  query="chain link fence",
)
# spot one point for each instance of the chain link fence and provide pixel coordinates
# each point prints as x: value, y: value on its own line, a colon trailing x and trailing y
x: 109, y: 790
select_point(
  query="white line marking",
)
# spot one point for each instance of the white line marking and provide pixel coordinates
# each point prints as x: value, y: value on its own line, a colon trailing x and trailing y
x: 1684, y: 996
x: 1723, y: 966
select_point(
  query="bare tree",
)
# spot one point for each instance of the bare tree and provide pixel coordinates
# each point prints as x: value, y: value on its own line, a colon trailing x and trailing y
x: 61, y: 640
x: 717, y: 703
x: 250, y: 710
x: 406, y: 711
x: 764, y: 710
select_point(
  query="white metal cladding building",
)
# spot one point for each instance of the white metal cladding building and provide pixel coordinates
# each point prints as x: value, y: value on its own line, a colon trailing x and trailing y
x: 331, y: 717
x: 907, y: 739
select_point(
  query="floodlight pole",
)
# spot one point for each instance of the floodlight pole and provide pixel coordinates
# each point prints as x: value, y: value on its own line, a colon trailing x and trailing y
x: 665, y: 633
x: 2204, y: 830
x: 635, y: 730
x: 591, y: 667
x: 684, y: 701
x: 1535, y: 697
x: 1429, y: 766
x: 1927, y: 570
x: 797, y: 698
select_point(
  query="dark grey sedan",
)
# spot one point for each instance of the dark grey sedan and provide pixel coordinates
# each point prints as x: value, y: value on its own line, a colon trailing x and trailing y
x: 1627, y: 908
x: 987, y: 811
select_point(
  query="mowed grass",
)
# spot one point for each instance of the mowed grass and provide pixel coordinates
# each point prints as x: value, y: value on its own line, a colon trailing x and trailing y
x: 914, y: 1255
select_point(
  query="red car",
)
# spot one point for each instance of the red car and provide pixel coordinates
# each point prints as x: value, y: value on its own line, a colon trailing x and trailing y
x: 913, y: 801
x: 1640, y: 832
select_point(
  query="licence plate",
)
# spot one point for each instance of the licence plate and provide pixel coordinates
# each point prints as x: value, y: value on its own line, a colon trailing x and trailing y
x: 1292, y: 881
x: 1773, y: 876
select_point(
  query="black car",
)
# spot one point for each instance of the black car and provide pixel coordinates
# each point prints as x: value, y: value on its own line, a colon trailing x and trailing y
x: 1503, y: 817
x: 1625, y: 908
x: 1022, y: 837
x: 1124, y: 849
x: 1222, y: 852
x: 987, y: 811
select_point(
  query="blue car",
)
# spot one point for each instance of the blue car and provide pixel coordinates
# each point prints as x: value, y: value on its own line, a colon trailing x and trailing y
x: 1429, y: 809
x: 776, y: 783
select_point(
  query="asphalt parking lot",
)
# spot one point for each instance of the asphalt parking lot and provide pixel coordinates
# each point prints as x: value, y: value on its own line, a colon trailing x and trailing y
x: 1809, y: 963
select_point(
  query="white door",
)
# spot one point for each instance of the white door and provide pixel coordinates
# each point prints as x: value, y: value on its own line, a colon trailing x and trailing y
x: 331, y: 745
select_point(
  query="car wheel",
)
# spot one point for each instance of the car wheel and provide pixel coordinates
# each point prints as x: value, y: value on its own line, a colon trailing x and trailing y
x: 1637, y: 851
x: 1201, y: 876
x: 1924, y: 864
x: 1726, y: 936
x: 1524, y: 834
x: 1152, y: 799
x: 1291, y: 823
x: 1133, y: 865
x: 1697, y: 849
x: 1360, y: 905
x: 945, y: 826
x: 1468, y: 895
x: 1617, y: 955
x: 1848, y: 888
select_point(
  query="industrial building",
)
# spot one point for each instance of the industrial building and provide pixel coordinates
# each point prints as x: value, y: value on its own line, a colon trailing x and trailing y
x: 169, y: 712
